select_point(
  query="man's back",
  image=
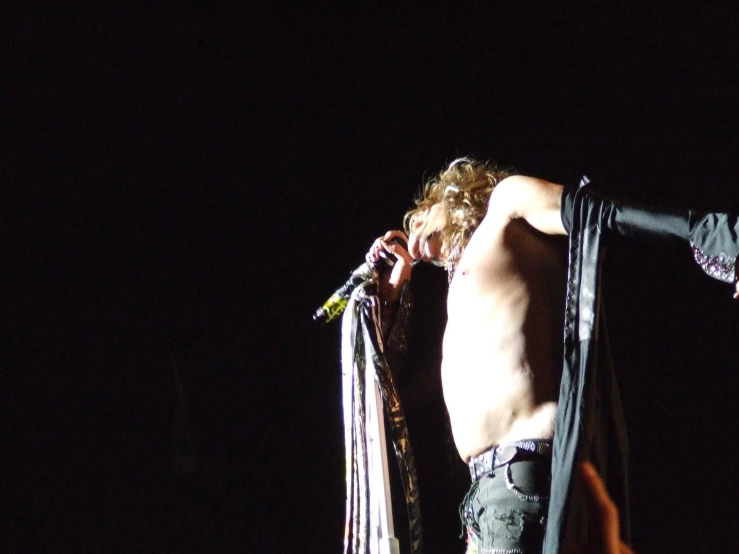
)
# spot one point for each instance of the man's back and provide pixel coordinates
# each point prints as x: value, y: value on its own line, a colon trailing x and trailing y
x: 502, y: 345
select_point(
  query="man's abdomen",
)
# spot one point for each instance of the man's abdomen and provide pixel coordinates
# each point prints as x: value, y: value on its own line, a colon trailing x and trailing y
x: 502, y: 345
x: 500, y: 376
x: 488, y: 412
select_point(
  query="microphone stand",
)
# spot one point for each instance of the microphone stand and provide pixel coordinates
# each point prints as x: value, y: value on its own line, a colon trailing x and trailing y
x: 381, y: 532
x: 381, y: 510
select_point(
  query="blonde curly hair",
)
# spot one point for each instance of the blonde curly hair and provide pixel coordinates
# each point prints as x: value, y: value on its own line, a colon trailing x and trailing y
x: 463, y: 190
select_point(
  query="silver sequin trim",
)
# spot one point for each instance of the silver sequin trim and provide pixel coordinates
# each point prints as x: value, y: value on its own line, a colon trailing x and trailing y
x: 486, y: 550
x: 540, y: 446
x: 721, y: 267
x: 454, y: 256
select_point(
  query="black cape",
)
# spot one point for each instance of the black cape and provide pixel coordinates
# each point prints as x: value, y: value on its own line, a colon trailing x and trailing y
x: 590, y: 422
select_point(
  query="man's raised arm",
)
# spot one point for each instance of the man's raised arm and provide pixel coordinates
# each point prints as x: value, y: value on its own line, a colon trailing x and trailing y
x: 548, y: 207
x: 713, y: 237
x: 535, y: 200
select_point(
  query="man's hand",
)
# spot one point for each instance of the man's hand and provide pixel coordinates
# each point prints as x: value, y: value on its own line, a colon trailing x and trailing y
x: 736, y: 294
x: 604, y: 517
x: 392, y: 281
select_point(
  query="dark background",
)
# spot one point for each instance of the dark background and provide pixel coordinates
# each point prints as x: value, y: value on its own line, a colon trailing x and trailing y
x: 184, y: 186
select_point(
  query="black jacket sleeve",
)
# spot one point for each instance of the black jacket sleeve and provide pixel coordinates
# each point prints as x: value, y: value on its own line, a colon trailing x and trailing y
x: 713, y: 237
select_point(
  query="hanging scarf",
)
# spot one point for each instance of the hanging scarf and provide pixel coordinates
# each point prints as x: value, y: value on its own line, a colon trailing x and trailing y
x: 362, y: 351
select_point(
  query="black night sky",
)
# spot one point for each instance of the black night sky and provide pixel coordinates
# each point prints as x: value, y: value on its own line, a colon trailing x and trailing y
x: 185, y: 186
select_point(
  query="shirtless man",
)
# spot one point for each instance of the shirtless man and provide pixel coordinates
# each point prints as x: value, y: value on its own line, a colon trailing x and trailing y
x: 502, y: 349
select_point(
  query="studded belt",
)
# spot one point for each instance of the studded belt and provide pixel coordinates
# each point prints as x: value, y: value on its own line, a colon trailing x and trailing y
x: 530, y: 449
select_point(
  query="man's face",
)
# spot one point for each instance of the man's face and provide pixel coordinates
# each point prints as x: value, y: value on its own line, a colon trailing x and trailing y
x: 423, y: 242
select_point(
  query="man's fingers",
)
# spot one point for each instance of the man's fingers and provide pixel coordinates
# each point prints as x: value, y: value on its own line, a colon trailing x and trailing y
x: 390, y: 235
x: 592, y: 479
x: 596, y: 488
x: 604, y: 508
x: 374, y: 252
x: 398, y: 249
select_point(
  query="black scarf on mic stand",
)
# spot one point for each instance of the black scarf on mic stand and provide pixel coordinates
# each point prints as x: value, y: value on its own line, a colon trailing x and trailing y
x: 362, y: 351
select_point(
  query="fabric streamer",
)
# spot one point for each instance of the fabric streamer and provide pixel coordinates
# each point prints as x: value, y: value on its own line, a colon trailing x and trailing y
x: 362, y: 351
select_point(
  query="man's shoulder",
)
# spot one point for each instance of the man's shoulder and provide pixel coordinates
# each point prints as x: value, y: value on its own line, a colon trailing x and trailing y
x: 530, y: 198
x: 521, y: 186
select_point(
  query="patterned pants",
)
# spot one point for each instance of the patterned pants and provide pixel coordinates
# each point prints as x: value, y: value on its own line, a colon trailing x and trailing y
x: 505, y: 511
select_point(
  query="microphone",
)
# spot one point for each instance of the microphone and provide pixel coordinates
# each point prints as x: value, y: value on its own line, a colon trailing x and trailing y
x: 336, y: 303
